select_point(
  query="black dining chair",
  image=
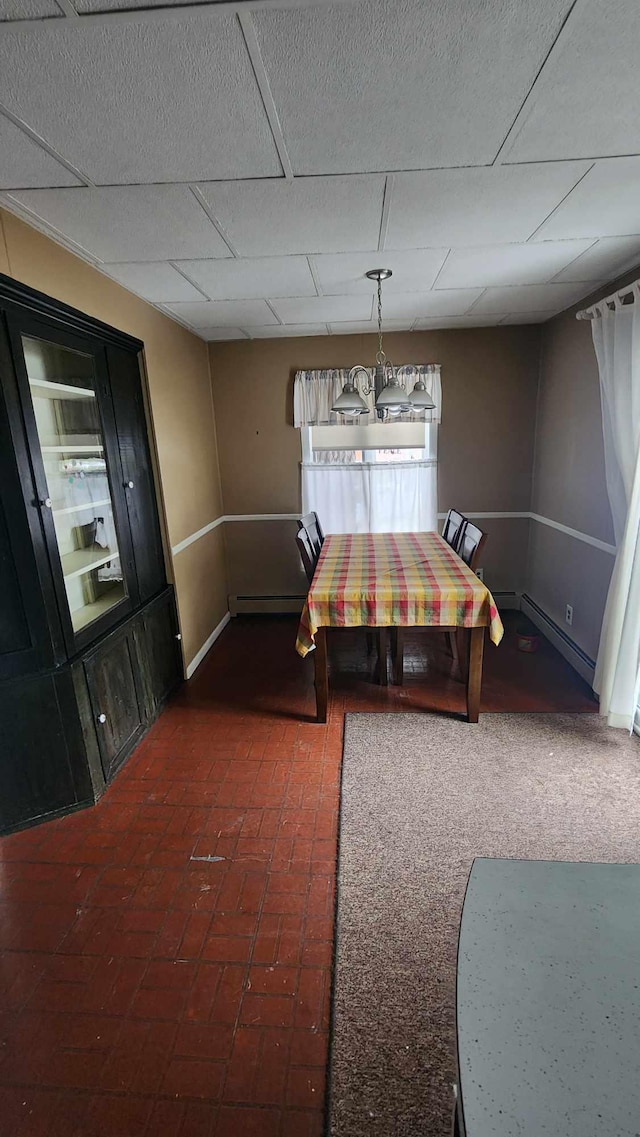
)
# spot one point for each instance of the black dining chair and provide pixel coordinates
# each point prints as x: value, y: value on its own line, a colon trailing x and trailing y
x: 453, y: 528
x: 309, y: 540
x: 307, y: 552
x: 471, y: 541
x: 311, y: 523
x: 471, y: 544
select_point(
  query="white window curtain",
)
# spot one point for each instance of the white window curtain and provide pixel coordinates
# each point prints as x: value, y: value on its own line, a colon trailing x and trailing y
x: 315, y: 392
x: 616, y: 338
x: 372, y: 497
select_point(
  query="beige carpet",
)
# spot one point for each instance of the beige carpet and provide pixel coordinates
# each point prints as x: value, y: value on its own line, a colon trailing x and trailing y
x: 421, y: 796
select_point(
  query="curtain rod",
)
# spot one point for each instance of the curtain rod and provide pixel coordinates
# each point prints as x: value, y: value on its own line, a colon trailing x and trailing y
x: 615, y: 300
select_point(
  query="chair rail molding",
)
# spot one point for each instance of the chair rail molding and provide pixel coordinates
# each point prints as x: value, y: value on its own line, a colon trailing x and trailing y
x: 489, y: 515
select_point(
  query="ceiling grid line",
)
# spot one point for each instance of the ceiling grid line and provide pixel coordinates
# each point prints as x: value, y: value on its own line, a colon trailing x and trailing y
x: 273, y: 311
x: 164, y: 13
x: 262, y: 79
x: 203, y: 203
x: 314, y: 274
x: 44, y: 145
x: 515, y: 127
x: 189, y: 279
x: 566, y: 267
x: 559, y: 203
x: 386, y: 209
x: 439, y: 272
x: 67, y: 9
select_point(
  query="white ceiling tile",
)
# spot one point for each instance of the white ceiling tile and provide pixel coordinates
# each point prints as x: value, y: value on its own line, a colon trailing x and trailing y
x: 24, y: 164
x: 369, y: 327
x: 308, y: 215
x: 606, y: 203
x: 402, y: 84
x: 292, y: 331
x: 606, y: 259
x: 530, y: 298
x: 322, y: 309
x: 415, y: 305
x: 141, y: 101
x: 215, y: 334
x: 28, y: 9
x: 413, y: 270
x: 470, y: 321
x: 129, y: 223
x: 582, y: 105
x: 158, y: 283
x: 252, y: 277
x: 223, y: 313
x: 535, y: 263
x: 462, y: 208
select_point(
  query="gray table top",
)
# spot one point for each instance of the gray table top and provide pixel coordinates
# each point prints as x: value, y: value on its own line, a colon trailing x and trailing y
x: 548, y: 1001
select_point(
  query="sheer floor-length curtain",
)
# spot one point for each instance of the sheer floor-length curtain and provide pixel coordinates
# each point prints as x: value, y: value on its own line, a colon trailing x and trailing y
x: 385, y: 497
x: 616, y: 338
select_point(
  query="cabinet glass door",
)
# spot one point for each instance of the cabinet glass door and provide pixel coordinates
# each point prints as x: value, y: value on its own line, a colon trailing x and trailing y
x: 62, y: 383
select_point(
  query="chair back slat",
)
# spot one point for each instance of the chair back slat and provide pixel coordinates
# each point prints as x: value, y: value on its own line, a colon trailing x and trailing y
x: 307, y: 555
x: 311, y: 523
x: 453, y: 528
x: 471, y: 544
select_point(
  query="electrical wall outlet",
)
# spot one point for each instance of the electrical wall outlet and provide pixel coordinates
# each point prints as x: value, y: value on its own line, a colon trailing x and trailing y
x: 569, y: 614
x: 480, y: 573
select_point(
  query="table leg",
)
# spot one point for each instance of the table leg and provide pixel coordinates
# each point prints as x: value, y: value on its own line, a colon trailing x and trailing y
x: 474, y: 674
x: 321, y: 674
x: 383, y: 648
x: 397, y: 656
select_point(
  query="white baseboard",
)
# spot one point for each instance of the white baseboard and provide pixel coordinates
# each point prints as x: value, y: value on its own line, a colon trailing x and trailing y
x: 579, y: 660
x: 268, y: 605
x: 208, y: 643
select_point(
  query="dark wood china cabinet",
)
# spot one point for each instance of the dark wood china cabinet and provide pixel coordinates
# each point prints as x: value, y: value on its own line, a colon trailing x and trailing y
x: 88, y: 634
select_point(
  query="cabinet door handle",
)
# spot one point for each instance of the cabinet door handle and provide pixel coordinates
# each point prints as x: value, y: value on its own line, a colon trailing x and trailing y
x: 128, y: 485
x: 46, y: 501
x: 179, y: 636
x: 102, y: 718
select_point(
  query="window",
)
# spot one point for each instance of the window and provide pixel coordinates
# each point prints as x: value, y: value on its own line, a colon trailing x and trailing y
x: 384, y: 482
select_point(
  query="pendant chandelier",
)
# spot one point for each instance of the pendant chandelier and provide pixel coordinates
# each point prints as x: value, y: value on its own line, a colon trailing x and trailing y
x: 388, y: 386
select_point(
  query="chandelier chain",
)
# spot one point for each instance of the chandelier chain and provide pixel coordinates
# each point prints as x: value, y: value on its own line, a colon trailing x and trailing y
x: 380, y: 357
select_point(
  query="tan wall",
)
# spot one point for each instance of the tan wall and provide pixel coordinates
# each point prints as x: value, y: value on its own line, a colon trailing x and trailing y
x: 569, y: 483
x: 180, y: 407
x: 489, y: 378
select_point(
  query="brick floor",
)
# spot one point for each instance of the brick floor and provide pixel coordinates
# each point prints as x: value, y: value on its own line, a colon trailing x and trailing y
x: 143, y: 992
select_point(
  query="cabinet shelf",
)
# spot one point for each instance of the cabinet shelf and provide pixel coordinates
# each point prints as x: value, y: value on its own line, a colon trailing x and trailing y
x: 68, y: 509
x: 45, y: 389
x: 72, y: 449
x: 84, y: 616
x: 84, y: 560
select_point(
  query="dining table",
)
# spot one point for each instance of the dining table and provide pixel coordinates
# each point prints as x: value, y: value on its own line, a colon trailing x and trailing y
x: 396, y: 581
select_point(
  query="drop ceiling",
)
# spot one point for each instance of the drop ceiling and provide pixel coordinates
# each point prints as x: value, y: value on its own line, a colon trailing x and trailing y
x: 241, y: 165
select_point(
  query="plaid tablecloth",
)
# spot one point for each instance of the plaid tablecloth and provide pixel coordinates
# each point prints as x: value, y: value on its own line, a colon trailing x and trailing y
x: 390, y: 580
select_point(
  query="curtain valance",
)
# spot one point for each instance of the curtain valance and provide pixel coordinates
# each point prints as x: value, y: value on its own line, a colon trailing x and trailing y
x: 315, y: 392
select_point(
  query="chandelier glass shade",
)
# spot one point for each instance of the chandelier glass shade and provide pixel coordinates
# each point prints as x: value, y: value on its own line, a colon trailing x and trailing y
x: 392, y: 397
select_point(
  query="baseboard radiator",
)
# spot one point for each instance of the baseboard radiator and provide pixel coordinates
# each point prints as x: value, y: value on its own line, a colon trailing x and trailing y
x: 269, y: 605
x: 579, y: 660
x: 506, y: 600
